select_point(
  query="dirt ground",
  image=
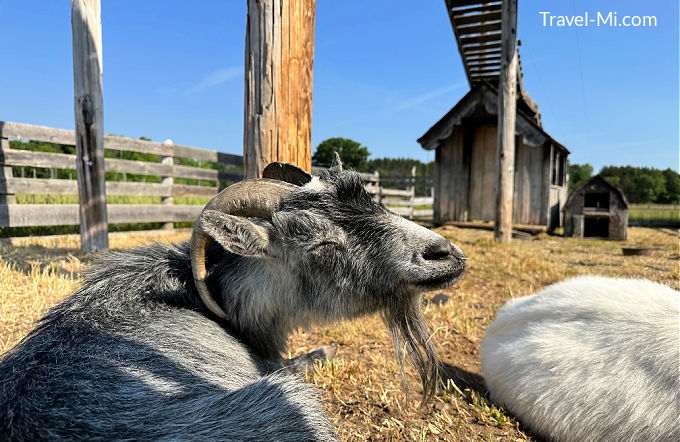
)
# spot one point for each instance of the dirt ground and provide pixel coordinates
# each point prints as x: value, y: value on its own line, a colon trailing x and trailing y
x: 361, y: 388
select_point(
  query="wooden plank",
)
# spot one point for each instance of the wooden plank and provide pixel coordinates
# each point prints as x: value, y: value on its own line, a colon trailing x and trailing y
x: 396, y: 202
x: 460, y: 3
x: 42, y: 186
x: 23, y: 215
x: 486, y: 48
x: 135, y: 145
x: 14, y: 157
x: 28, y: 158
x: 137, y: 213
x: 138, y: 167
x: 395, y: 192
x: 188, y: 190
x: 21, y: 131
x: 484, y: 70
x: 278, y: 84
x: 507, y: 103
x: 486, y: 75
x: 495, y: 62
x: 86, y: 24
x: 479, y: 28
x: 490, y: 55
x: 200, y: 154
x: 421, y: 213
x: 488, y: 7
x: 194, y: 172
x: 477, y: 18
x: 423, y: 200
x: 477, y: 39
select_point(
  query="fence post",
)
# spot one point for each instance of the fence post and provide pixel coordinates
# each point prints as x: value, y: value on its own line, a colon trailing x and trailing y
x: 89, y: 123
x: 278, y: 84
x: 411, y: 188
x: 507, y: 102
x: 5, y: 176
x: 168, y: 181
x: 376, y: 184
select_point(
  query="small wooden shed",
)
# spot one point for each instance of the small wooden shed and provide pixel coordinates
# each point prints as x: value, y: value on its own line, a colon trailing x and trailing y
x: 596, y: 209
x: 465, y: 144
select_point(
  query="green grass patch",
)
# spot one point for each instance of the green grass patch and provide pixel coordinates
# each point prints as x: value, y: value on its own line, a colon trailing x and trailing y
x: 654, y: 212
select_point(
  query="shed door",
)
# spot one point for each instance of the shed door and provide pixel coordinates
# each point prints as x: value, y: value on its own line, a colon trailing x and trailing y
x: 483, y: 174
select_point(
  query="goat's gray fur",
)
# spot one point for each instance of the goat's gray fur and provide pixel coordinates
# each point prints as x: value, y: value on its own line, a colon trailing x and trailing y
x: 135, y: 355
x: 589, y: 359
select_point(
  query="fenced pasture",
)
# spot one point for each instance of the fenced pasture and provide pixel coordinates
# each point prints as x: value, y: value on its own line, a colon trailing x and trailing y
x: 148, y: 184
x: 654, y: 214
x: 361, y: 388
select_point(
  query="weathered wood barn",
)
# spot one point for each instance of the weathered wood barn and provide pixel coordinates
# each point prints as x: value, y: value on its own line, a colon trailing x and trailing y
x: 465, y: 140
x: 596, y: 209
x: 465, y: 143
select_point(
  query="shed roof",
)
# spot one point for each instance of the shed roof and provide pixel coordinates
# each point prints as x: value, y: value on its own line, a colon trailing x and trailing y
x: 600, y: 179
x: 477, y: 27
x: 484, y: 94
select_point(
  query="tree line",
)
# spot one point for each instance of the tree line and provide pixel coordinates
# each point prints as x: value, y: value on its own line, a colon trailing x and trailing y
x: 355, y: 156
x: 641, y: 185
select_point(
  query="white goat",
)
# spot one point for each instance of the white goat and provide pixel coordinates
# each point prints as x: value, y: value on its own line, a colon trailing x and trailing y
x: 589, y: 359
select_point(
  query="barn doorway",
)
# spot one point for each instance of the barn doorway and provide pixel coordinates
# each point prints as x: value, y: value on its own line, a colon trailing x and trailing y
x: 596, y: 200
x: 596, y: 226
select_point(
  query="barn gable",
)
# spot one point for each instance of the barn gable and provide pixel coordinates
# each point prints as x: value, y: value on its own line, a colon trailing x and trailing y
x: 465, y: 144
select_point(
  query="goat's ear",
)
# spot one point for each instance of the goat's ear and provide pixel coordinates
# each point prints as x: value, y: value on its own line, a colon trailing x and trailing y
x: 236, y: 234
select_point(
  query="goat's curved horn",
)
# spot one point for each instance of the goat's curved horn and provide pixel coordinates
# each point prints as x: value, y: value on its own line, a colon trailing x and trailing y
x: 251, y: 198
x: 286, y: 172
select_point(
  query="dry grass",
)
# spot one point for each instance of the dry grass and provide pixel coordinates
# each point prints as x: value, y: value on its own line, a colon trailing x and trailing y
x: 361, y: 388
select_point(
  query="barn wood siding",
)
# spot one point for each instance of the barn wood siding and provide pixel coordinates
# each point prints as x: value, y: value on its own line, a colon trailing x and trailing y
x: 451, y: 179
x: 528, y: 183
x: 483, y: 174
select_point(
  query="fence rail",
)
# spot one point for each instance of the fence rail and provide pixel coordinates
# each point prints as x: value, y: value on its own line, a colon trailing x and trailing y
x: 398, y: 192
x: 164, y: 169
x: 164, y: 174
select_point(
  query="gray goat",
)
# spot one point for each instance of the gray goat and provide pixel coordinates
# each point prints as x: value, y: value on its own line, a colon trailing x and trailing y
x: 184, y: 342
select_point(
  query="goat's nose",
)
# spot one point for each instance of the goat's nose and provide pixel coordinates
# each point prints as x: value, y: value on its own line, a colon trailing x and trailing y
x: 442, y: 249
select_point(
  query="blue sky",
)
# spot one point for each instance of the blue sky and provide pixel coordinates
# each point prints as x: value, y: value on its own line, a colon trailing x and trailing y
x: 384, y: 72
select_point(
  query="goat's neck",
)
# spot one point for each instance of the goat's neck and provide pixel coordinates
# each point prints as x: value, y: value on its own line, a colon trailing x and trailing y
x: 257, y: 302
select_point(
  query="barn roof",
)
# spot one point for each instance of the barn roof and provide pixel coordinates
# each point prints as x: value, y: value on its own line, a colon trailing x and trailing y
x: 484, y: 94
x: 597, y: 178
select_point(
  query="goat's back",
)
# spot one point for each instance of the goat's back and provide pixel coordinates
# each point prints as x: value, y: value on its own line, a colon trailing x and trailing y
x: 103, y: 366
x: 590, y: 358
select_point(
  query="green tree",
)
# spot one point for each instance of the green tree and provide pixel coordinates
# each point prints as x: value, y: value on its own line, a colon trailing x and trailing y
x: 400, y: 166
x: 579, y: 174
x: 672, y: 191
x: 353, y: 154
x: 641, y: 185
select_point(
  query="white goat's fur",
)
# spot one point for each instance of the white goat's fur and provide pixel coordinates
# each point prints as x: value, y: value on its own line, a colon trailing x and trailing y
x: 589, y: 359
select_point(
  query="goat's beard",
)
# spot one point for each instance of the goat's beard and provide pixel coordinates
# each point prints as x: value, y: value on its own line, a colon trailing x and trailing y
x: 409, y: 332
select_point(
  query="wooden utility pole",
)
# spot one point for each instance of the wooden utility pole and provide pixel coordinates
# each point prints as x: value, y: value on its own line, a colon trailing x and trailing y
x: 278, y: 84
x: 89, y: 123
x: 507, y: 112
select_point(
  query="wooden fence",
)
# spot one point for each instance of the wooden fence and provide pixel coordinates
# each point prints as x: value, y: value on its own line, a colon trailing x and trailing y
x: 407, y: 195
x: 171, y: 166
x: 21, y: 215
